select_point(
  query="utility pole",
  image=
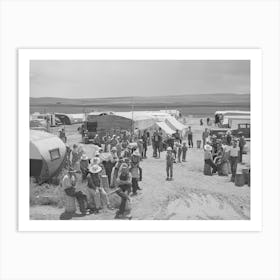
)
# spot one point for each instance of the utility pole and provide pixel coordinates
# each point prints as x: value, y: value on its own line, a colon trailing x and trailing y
x: 132, y: 117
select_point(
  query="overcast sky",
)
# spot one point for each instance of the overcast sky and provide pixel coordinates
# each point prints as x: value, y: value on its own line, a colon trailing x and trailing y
x: 94, y: 79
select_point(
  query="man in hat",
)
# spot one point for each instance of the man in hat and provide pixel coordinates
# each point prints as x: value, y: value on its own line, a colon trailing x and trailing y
x: 233, y: 159
x: 84, y: 164
x: 136, y: 171
x: 68, y: 185
x: 242, y: 143
x: 95, y: 173
x: 62, y: 135
x: 208, y: 158
x: 169, y: 164
x: 205, y: 135
x: 190, y: 137
x: 124, y: 189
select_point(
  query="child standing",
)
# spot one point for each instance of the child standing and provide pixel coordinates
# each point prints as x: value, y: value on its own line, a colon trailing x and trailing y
x: 169, y: 164
x: 179, y: 152
x: 184, y: 151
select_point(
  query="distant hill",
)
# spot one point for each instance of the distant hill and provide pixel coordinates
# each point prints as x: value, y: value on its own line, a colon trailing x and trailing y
x: 173, y: 100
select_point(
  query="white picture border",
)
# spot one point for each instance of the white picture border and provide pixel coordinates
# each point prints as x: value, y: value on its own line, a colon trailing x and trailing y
x: 24, y: 57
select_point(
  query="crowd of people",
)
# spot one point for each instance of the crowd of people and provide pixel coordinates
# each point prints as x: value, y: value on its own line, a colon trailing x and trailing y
x: 115, y: 166
x: 223, y: 154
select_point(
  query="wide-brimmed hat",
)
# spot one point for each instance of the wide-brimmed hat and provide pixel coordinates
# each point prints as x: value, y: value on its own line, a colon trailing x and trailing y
x: 114, y: 149
x: 169, y: 149
x: 124, y: 166
x: 136, y: 154
x: 207, y: 147
x: 95, y: 168
x: 84, y: 157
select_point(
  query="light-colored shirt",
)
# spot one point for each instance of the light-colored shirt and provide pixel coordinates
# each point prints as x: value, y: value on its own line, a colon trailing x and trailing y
x: 207, y: 155
x: 234, y: 151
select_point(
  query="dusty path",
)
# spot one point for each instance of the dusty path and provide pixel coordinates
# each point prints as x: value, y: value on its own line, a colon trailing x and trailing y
x: 191, y: 195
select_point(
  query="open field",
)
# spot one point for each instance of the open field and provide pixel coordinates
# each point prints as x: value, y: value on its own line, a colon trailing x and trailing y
x: 191, y: 196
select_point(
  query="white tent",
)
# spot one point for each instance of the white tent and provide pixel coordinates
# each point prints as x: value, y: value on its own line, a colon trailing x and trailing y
x: 174, y: 124
x: 141, y: 120
x: 165, y: 128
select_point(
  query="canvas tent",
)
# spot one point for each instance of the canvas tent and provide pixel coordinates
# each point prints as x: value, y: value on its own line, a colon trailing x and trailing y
x: 141, y: 120
x: 175, y: 124
x: 47, y: 155
x: 165, y: 128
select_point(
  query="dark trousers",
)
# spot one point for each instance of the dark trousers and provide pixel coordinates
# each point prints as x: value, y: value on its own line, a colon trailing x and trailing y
x: 169, y: 170
x: 179, y: 155
x: 82, y: 201
x: 212, y: 164
x: 240, y: 154
x: 135, y: 186
x: 184, y: 155
x: 233, y: 166
x: 123, y: 197
x: 190, y: 142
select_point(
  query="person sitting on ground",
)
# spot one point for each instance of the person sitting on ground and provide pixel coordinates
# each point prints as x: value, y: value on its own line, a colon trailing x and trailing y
x: 184, y: 151
x: 124, y: 188
x: 94, y: 200
x: 95, y: 171
x: 208, y: 158
x: 169, y: 164
x: 69, y: 187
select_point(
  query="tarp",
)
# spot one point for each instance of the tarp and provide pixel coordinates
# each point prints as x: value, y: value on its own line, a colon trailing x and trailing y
x: 164, y: 126
x: 174, y: 124
x: 141, y: 120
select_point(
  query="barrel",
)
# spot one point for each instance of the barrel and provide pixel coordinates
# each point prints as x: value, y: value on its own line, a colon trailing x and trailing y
x: 207, y: 169
x: 239, y: 180
x: 245, y: 172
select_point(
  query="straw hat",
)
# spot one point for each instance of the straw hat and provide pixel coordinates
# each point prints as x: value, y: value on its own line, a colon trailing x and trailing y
x: 207, y: 147
x: 114, y: 149
x: 124, y: 166
x: 136, y: 153
x: 84, y: 157
x: 94, y: 169
x: 169, y: 149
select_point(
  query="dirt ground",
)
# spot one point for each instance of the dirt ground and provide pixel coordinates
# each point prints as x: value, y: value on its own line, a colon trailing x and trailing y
x: 190, y: 196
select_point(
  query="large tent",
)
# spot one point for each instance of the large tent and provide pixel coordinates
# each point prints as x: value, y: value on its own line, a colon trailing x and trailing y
x: 165, y: 128
x: 47, y: 155
x: 175, y: 124
x: 141, y: 120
